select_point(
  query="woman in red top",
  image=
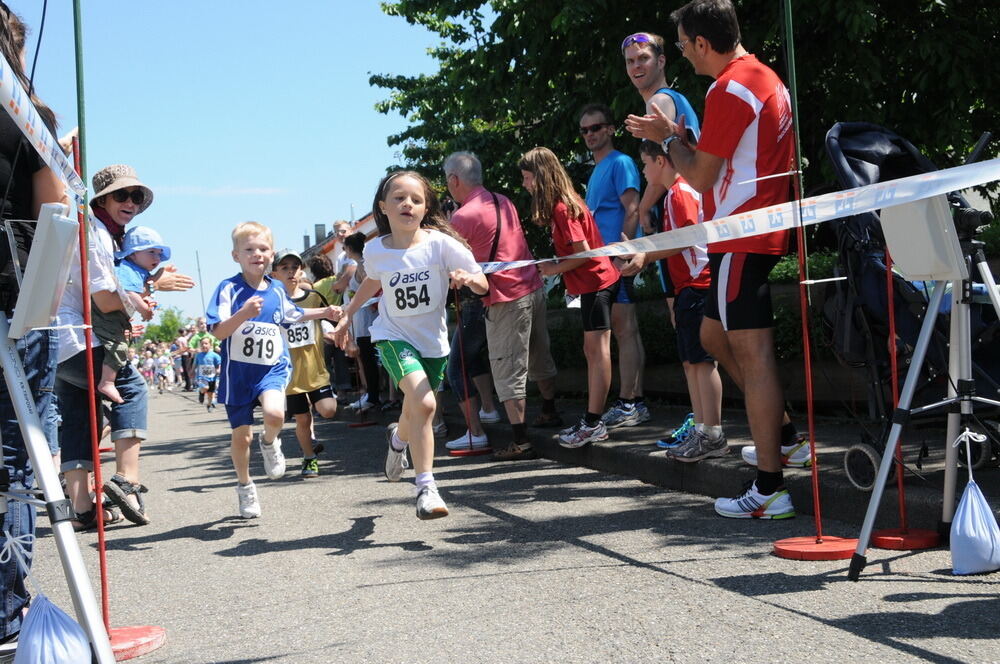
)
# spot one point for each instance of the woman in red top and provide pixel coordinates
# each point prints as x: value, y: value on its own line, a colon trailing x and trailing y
x: 556, y: 204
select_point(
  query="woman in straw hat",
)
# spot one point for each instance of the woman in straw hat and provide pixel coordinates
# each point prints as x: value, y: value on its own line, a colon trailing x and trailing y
x: 119, y: 196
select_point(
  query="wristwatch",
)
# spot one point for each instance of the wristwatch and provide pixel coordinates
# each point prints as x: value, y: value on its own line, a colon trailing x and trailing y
x: 667, y: 141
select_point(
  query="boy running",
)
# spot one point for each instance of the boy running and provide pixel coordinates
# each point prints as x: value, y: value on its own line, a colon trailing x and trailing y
x: 245, y: 314
x: 206, y: 370
x: 310, y: 384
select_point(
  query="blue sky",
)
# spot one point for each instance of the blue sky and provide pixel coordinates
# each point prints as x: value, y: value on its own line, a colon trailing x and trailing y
x: 231, y: 110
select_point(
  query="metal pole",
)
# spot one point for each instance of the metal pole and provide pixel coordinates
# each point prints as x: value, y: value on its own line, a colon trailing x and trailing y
x: 201, y: 284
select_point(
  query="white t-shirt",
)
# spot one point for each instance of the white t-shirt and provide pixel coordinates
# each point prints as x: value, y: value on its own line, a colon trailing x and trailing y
x: 415, y: 289
x: 102, y: 278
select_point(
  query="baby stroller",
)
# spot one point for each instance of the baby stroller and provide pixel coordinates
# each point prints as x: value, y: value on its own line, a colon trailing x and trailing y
x: 856, y: 309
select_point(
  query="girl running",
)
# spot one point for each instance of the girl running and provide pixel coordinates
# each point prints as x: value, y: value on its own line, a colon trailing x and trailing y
x: 412, y: 261
x: 554, y: 203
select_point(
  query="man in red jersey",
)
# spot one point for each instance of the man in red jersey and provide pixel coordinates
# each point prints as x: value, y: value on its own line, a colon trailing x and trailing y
x: 746, y: 135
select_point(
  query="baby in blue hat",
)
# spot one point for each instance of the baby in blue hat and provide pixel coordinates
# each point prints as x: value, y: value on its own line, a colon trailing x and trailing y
x: 141, y: 253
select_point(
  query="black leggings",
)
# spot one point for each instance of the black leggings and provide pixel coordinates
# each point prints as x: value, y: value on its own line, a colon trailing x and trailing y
x: 369, y: 364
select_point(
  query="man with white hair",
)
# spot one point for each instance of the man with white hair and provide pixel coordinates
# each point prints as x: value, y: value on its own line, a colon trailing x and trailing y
x: 516, y: 331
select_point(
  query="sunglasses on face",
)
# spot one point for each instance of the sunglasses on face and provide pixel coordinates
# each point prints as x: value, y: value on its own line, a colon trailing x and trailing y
x: 136, y: 195
x: 592, y: 129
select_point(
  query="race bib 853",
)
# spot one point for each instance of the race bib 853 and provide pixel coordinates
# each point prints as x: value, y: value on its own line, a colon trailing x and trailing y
x: 301, y: 334
x: 257, y: 343
x: 412, y: 292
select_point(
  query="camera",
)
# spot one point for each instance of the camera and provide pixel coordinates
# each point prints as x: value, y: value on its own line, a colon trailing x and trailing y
x: 970, y: 222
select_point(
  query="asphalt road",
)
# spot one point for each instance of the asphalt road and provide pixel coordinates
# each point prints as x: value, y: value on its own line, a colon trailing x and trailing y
x: 538, y: 562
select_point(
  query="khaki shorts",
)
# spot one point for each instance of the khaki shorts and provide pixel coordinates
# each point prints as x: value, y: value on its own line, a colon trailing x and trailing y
x: 518, y: 339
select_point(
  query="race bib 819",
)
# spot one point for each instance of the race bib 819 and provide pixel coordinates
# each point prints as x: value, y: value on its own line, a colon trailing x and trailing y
x: 412, y: 292
x: 257, y: 343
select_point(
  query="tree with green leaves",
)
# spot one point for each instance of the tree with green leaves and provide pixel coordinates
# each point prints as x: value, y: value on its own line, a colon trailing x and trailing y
x: 170, y: 322
x: 513, y: 75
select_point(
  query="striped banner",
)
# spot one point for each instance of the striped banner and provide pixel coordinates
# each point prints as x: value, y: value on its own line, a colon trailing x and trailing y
x: 813, y: 210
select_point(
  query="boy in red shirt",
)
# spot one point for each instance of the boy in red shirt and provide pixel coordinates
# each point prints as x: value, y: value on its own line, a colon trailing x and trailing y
x: 690, y: 277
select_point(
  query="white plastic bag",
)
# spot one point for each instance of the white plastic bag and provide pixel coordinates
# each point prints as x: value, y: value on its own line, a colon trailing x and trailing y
x: 49, y: 636
x: 975, y: 536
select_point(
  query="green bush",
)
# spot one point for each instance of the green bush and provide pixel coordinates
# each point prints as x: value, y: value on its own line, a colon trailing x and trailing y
x: 820, y: 265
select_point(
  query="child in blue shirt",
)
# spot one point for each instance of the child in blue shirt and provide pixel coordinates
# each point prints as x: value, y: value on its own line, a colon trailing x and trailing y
x: 206, y: 370
x: 244, y: 315
x: 142, y: 252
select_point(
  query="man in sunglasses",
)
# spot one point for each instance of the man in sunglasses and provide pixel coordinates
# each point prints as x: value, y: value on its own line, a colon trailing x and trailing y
x: 613, y: 199
x: 742, y: 162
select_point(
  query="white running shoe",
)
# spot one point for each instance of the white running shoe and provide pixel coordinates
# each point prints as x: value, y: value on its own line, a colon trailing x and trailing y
x: 274, y: 460
x: 429, y: 504
x: 754, y: 505
x: 249, y: 505
x: 491, y: 417
x: 797, y: 455
x: 395, y: 461
x: 583, y: 435
x: 462, y: 442
x: 440, y: 429
x: 359, y: 404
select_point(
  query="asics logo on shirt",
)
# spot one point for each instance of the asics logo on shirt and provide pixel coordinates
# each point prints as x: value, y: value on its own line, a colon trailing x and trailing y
x: 409, y: 278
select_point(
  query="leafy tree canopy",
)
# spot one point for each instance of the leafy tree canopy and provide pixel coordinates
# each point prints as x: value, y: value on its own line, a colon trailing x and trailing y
x: 172, y: 319
x: 513, y: 75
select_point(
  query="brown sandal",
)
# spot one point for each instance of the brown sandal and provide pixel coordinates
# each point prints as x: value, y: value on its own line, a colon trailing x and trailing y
x: 515, y: 452
x: 547, y: 420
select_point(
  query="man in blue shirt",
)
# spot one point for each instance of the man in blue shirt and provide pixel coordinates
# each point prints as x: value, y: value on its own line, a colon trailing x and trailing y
x: 613, y: 199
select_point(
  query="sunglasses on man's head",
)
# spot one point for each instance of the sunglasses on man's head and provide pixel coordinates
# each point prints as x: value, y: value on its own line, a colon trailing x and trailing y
x: 640, y: 38
x: 594, y: 128
x: 121, y: 195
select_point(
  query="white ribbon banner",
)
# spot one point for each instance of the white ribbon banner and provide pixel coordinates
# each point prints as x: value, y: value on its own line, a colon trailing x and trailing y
x: 18, y: 105
x: 813, y: 210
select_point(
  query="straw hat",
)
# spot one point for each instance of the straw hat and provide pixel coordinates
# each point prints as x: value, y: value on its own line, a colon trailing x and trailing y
x: 119, y: 176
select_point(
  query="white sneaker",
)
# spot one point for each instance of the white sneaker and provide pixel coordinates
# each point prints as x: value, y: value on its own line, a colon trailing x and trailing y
x: 491, y: 417
x: 440, y: 429
x: 274, y: 460
x: 462, y: 442
x: 429, y: 504
x: 249, y: 505
x: 797, y: 455
x: 754, y: 505
x: 395, y: 461
x: 359, y: 404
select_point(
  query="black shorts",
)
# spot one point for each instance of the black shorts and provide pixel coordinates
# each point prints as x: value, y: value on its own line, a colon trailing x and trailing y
x: 689, y: 309
x: 300, y: 404
x: 740, y: 297
x: 209, y: 386
x: 595, y: 308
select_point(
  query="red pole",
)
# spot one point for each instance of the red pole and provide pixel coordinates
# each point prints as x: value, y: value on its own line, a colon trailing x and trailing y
x: 91, y: 394
x: 465, y: 376
x: 891, y: 308
x: 807, y: 359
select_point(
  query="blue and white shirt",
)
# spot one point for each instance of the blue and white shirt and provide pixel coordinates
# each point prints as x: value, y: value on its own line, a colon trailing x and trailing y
x: 254, y: 357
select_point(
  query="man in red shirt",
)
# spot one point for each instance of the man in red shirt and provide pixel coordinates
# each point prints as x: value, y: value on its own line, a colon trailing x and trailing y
x: 746, y: 135
x: 516, y: 331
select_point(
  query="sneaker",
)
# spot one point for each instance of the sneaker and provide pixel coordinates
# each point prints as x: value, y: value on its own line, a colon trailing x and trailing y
x: 440, y: 429
x: 796, y: 455
x: 699, y: 446
x: 395, y: 461
x: 642, y: 410
x: 491, y: 417
x: 582, y: 435
x: 429, y: 504
x: 249, y: 505
x: 274, y: 460
x: 620, y: 415
x: 678, y: 435
x: 359, y: 404
x: 310, y: 468
x: 753, y: 505
x: 462, y: 442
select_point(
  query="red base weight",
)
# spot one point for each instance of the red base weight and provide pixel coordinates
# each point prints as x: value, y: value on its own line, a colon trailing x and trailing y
x: 367, y: 423
x: 477, y: 451
x: 911, y: 539
x: 807, y: 548
x: 129, y: 642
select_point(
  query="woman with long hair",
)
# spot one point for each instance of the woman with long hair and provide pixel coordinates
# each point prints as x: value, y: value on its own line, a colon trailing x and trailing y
x: 556, y: 206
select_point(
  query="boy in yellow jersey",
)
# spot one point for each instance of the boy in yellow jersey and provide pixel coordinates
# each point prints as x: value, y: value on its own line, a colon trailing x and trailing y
x: 310, y: 384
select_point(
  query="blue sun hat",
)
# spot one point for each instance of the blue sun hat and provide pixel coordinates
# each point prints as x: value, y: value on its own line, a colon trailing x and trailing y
x: 140, y: 238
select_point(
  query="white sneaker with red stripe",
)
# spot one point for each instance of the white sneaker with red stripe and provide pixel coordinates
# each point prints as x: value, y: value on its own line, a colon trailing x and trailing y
x: 754, y: 505
x: 796, y: 455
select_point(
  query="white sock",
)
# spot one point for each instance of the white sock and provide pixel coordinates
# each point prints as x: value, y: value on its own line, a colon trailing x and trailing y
x: 699, y: 426
x: 398, y: 443
x: 714, y: 432
x: 425, y: 479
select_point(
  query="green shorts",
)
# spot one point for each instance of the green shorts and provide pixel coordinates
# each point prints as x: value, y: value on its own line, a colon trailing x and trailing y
x: 400, y: 358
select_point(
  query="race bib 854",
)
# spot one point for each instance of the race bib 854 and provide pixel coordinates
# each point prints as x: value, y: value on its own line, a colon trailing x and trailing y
x: 412, y: 292
x: 257, y: 343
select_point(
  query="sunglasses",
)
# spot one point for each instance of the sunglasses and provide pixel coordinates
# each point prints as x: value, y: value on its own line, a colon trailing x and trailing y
x: 594, y: 128
x: 640, y: 38
x: 137, y: 196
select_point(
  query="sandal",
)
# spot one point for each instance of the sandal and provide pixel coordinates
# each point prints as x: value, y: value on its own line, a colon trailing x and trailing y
x: 88, y: 520
x: 118, y: 489
x: 516, y: 452
x: 547, y: 420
